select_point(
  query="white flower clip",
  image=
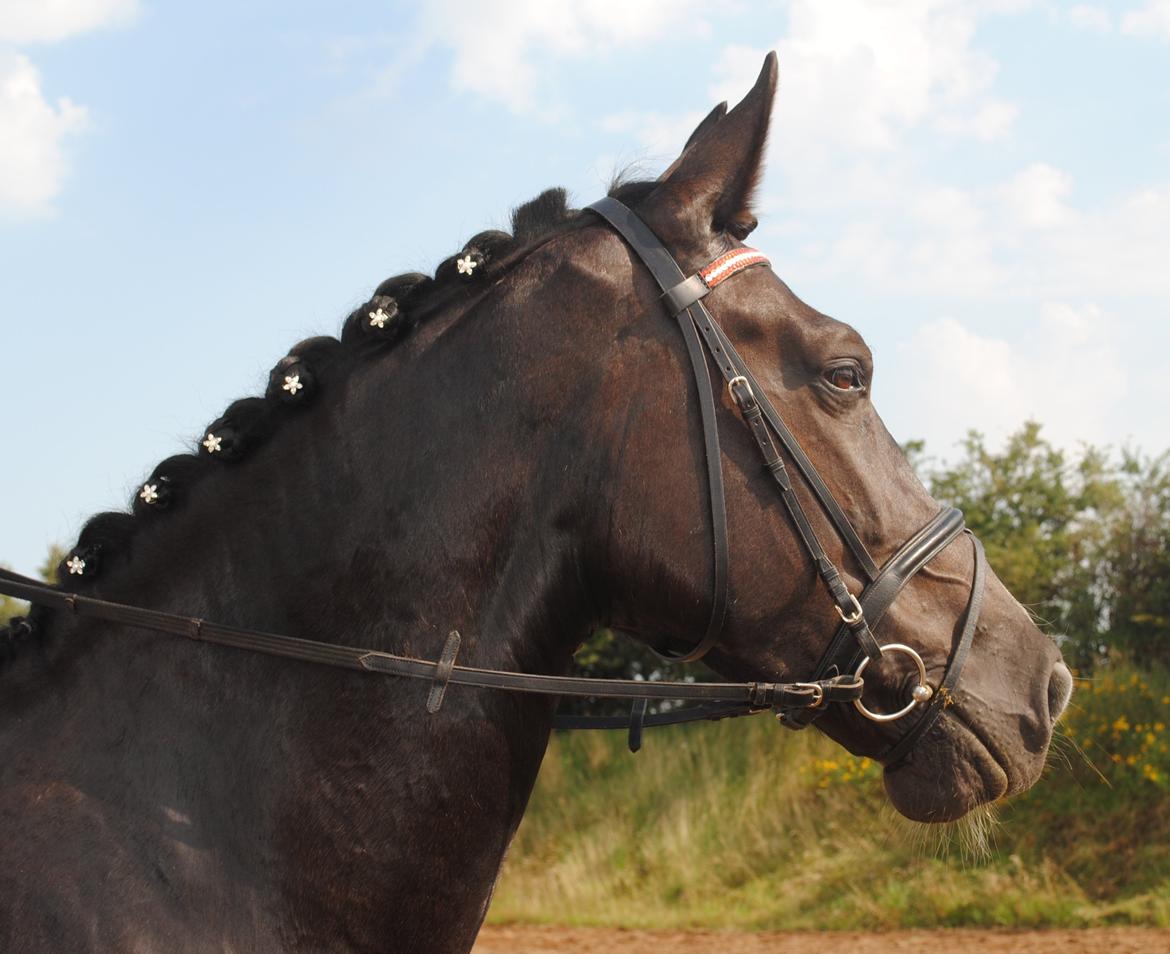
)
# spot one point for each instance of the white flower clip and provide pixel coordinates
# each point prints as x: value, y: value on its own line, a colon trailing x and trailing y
x: 466, y: 265
x: 76, y: 565
x: 212, y: 443
x: 149, y: 493
x: 292, y: 383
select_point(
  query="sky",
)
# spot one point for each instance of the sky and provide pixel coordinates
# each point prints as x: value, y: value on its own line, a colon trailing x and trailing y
x: 982, y: 189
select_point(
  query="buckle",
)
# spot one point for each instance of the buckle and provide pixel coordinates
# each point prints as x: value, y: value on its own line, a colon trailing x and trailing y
x: 818, y: 693
x: 855, y: 616
x: 740, y: 379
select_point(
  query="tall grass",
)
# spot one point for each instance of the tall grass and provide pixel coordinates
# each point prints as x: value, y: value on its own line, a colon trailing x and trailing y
x: 744, y: 824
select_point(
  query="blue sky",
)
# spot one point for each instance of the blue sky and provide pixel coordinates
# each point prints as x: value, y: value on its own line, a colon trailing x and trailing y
x: 982, y: 189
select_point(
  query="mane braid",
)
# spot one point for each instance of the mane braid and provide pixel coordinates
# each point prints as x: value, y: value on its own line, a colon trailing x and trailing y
x: 398, y: 305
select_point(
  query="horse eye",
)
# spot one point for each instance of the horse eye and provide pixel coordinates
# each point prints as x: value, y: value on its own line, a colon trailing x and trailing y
x: 844, y: 378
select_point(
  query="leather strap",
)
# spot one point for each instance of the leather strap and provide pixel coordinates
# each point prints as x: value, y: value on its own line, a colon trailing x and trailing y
x: 747, y: 696
x: 443, y: 672
x: 679, y: 290
x: 680, y: 297
x: 732, y: 366
x: 715, y: 493
x: 944, y: 695
x: 841, y: 654
x: 669, y: 277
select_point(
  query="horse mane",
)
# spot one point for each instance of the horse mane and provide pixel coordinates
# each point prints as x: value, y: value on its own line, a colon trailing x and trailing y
x: 403, y: 301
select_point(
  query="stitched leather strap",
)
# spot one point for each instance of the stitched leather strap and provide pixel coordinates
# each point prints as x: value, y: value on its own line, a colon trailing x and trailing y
x: 748, y: 696
x: 669, y: 277
x: 443, y: 672
x: 944, y: 695
x: 841, y: 655
x: 695, y: 317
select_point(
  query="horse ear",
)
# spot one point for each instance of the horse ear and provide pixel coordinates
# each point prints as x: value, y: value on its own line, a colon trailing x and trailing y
x: 701, y: 131
x: 712, y: 183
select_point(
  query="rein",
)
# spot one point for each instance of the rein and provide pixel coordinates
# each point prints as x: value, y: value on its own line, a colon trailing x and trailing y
x: 838, y: 676
x: 719, y: 700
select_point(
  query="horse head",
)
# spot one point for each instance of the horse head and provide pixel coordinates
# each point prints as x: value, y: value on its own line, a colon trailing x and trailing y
x: 992, y: 738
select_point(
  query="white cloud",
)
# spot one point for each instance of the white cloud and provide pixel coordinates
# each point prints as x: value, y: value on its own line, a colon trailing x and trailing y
x: 660, y: 135
x: 1020, y: 239
x: 32, y: 161
x: 502, y: 48
x: 1064, y: 370
x: 47, y: 21
x: 1121, y: 248
x: 33, y: 167
x: 1035, y: 197
x: 1152, y: 20
x: 987, y: 123
x: 1088, y: 16
x: 857, y: 74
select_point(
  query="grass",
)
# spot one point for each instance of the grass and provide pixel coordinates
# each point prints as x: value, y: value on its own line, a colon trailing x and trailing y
x: 746, y: 825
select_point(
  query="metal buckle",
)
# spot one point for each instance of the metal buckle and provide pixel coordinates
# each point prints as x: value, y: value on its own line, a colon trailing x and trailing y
x: 818, y: 693
x: 740, y: 379
x: 919, y: 694
x: 853, y: 617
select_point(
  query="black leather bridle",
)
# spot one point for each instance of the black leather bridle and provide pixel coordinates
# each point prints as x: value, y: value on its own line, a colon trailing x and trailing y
x: 853, y: 646
x: 838, y: 676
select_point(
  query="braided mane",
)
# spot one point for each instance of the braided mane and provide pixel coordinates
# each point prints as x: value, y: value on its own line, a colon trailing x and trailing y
x: 398, y: 305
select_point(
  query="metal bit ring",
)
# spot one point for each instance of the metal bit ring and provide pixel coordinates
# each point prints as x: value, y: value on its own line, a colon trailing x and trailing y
x: 919, y: 694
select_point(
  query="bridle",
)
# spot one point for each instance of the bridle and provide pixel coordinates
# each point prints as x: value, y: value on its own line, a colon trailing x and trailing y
x: 838, y: 675
x: 853, y: 647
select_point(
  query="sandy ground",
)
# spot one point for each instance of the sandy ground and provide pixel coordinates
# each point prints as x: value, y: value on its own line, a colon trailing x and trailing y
x: 544, y: 940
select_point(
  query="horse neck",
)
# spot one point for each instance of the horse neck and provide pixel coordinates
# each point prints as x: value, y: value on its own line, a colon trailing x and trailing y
x: 419, y: 496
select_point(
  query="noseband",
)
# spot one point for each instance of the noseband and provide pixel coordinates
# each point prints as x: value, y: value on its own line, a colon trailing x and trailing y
x: 838, y: 675
x: 853, y: 647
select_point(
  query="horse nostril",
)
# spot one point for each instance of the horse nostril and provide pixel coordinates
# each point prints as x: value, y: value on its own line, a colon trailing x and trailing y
x: 1060, y: 686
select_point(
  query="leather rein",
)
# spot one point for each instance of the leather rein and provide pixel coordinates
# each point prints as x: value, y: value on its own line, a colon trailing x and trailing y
x: 838, y: 676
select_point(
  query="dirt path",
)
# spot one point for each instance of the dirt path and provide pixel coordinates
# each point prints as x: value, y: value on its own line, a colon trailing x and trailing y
x: 543, y: 940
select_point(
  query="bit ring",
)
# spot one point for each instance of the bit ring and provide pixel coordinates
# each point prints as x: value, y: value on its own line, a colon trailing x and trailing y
x: 919, y: 694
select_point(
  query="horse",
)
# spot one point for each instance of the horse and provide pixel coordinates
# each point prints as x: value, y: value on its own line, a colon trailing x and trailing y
x: 513, y: 449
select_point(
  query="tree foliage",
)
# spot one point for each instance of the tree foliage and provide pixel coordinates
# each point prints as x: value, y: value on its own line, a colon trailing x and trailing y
x: 1083, y: 541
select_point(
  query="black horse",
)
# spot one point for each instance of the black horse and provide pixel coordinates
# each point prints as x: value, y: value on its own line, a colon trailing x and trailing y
x: 511, y: 449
